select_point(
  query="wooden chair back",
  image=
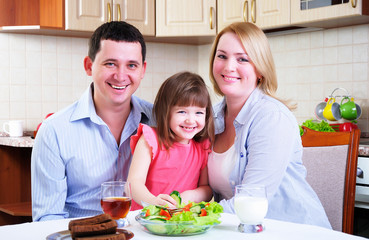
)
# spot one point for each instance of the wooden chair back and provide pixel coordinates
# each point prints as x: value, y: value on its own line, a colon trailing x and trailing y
x: 331, y: 162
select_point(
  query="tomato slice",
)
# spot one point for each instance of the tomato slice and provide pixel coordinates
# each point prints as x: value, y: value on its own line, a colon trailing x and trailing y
x: 164, y: 213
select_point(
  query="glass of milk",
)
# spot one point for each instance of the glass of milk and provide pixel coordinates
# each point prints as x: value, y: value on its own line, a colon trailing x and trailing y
x: 251, y: 206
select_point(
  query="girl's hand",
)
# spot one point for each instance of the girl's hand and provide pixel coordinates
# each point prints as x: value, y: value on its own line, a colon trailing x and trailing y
x: 165, y: 199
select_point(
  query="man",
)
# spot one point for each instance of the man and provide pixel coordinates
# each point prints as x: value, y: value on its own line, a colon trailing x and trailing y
x: 87, y: 143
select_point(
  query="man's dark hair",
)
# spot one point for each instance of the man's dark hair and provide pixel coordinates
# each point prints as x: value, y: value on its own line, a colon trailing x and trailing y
x: 115, y: 31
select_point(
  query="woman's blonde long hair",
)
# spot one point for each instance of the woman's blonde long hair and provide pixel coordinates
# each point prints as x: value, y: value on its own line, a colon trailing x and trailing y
x: 256, y: 45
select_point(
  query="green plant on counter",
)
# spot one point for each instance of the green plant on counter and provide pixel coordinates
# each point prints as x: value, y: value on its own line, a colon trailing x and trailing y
x: 322, y: 126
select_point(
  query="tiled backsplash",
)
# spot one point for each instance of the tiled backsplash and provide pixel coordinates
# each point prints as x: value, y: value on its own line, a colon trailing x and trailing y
x: 42, y: 74
x: 311, y: 65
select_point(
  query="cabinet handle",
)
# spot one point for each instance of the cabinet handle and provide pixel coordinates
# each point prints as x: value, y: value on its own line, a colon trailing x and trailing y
x: 359, y: 173
x: 119, y: 13
x: 253, y: 11
x: 109, y: 13
x: 245, y: 11
x: 211, y: 17
x: 353, y: 3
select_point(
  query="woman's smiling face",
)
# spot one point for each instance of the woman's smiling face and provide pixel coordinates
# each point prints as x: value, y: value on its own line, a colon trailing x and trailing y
x: 233, y: 71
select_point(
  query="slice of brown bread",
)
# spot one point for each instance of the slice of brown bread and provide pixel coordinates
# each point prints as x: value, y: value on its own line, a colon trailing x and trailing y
x: 91, y: 220
x: 117, y: 236
x: 94, y: 229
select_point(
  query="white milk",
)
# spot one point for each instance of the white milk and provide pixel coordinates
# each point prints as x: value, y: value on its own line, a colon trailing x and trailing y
x: 251, y: 210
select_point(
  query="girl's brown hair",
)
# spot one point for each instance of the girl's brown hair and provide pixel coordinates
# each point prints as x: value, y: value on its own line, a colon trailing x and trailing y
x: 182, y: 89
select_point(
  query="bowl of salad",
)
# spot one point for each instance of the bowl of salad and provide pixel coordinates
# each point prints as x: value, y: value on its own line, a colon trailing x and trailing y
x: 190, y: 219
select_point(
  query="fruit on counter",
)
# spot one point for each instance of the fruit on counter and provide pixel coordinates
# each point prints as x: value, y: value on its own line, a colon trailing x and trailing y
x: 39, y: 125
x: 347, y: 127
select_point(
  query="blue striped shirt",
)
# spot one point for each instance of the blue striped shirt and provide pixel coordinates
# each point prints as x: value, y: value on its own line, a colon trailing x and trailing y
x: 74, y: 152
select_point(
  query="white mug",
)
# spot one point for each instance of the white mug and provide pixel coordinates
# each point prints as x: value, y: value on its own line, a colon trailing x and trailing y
x: 14, y: 128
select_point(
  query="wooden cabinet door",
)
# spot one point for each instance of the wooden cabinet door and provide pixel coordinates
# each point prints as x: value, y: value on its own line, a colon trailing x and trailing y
x: 86, y: 15
x: 139, y: 13
x: 41, y: 13
x: 264, y: 13
x: 344, y: 10
x: 230, y: 11
x: 270, y: 14
x: 185, y: 18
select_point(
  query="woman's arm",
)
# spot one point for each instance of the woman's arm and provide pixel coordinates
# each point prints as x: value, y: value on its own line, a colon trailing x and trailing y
x: 137, y: 177
x: 270, y: 145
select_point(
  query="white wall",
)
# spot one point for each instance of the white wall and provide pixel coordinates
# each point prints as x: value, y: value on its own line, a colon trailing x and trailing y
x: 311, y: 65
x: 42, y: 74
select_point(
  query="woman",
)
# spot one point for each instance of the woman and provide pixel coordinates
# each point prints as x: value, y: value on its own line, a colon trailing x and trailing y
x: 257, y: 137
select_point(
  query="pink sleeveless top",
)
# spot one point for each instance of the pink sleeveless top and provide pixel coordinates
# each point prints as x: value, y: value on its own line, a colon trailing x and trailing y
x: 177, y: 169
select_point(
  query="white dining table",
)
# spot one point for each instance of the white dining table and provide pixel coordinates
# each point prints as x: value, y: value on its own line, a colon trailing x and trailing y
x: 227, y: 229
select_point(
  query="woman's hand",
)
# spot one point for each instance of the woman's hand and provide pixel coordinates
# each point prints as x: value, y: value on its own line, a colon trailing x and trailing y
x: 189, y: 195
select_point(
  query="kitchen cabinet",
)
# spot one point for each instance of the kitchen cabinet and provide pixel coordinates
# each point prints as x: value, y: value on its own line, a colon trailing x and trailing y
x: 75, y: 16
x: 41, y: 13
x: 264, y: 13
x: 15, y: 184
x: 176, y: 21
x: 87, y: 15
x: 322, y: 13
x: 185, y: 18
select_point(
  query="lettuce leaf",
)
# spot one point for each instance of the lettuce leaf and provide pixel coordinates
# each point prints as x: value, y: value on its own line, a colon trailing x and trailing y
x: 322, y: 126
x: 182, y: 217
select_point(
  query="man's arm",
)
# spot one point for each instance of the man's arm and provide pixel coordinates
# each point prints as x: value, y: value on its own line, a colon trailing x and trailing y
x: 49, y: 186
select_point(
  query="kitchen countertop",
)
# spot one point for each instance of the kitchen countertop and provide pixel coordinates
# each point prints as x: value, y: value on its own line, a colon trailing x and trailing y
x: 25, y: 141
x: 364, y: 150
x: 364, y: 146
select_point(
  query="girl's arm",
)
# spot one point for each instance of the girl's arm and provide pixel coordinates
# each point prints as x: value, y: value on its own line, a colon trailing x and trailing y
x: 202, y: 193
x: 137, y: 177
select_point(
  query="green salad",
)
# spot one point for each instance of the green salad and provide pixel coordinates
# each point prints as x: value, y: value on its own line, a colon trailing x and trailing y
x: 322, y: 126
x: 192, y: 218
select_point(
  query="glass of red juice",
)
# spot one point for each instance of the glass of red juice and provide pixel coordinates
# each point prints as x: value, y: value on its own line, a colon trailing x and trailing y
x: 116, y: 200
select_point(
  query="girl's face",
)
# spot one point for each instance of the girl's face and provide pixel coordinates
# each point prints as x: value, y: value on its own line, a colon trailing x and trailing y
x: 186, y: 122
x: 233, y: 71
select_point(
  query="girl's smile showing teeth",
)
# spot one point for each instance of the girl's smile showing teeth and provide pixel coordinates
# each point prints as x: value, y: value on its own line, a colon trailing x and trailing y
x: 188, y: 128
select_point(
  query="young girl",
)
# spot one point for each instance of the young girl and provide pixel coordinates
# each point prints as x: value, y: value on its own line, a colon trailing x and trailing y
x: 174, y: 155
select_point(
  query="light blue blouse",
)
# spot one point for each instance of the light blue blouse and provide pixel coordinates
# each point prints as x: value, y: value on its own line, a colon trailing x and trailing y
x: 74, y: 152
x: 270, y: 152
